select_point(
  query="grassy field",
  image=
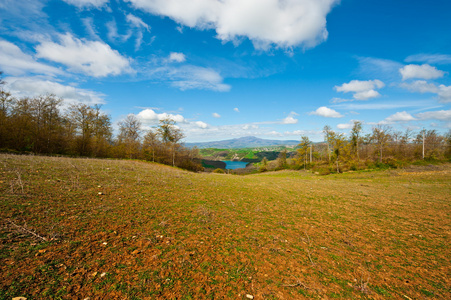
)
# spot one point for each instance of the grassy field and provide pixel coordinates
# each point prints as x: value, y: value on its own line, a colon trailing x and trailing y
x: 111, y: 229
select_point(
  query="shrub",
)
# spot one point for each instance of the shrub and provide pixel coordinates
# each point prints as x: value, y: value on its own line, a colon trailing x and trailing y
x: 219, y: 171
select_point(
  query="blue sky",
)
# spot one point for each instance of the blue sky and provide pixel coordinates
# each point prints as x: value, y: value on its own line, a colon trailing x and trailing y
x: 274, y: 69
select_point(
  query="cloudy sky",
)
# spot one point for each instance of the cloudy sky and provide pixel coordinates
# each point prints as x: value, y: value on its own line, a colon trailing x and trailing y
x: 223, y: 69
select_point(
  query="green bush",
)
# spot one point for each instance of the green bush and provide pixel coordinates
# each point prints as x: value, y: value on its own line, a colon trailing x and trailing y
x: 219, y: 171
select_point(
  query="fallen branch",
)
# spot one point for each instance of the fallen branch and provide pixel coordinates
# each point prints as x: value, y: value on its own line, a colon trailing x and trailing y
x: 298, y: 283
x: 25, y: 230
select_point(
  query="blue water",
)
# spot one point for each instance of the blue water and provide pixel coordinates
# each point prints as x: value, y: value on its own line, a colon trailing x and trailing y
x: 232, y: 165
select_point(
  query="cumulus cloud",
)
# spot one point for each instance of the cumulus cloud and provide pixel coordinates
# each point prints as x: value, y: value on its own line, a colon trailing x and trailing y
x: 290, y: 119
x: 93, y: 58
x: 442, y: 115
x: 424, y: 71
x: 201, y: 124
x: 420, y: 86
x: 363, y: 90
x: 326, y: 112
x: 177, y: 57
x: 430, y: 58
x: 285, y: 23
x: 87, y: 3
x: 216, y: 115
x: 32, y: 87
x: 149, y: 116
x: 400, y: 117
x: 13, y: 61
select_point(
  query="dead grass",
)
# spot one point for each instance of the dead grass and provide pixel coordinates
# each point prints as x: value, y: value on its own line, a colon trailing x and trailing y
x: 134, y: 230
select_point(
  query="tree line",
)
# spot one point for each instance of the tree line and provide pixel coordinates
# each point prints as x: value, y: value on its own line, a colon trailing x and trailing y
x: 40, y: 125
x: 382, y: 147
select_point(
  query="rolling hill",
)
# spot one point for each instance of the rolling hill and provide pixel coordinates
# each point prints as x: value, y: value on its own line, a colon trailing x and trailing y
x: 243, y: 142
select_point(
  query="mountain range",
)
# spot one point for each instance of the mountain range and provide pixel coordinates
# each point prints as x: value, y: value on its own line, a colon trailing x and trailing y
x: 243, y: 142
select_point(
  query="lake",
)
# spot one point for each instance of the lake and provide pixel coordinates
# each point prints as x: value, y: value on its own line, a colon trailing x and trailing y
x: 232, y: 165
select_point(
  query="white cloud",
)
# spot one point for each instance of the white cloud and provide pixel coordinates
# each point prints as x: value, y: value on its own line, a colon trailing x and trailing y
x: 290, y: 119
x: 113, y: 34
x: 149, y: 116
x: 400, y: 117
x: 442, y: 115
x: 193, y: 77
x: 216, y: 115
x: 430, y: 58
x: 421, y: 86
x: 366, y: 95
x: 363, y: 90
x: 444, y: 94
x: 201, y: 124
x: 423, y: 72
x: 93, y: 58
x: 340, y: 100
x: 177, y: 57
x: 382, y: 106
x: 140, y: 26
x: 285, y: 23
x: 326, y: 112
x: 378, y: 66
x: 137, y: 22
x: 250, y: 126
x: 13, y: 61
x: 236, y: 109
x: 32, y: 87
x: 90, y: 28
x: 87, y: 3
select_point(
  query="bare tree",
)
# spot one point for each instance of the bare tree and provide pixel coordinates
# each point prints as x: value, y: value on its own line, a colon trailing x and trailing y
x: 170, y: 135
x: 150, y: 143
x: 129, y: 135
x: 381, y: 136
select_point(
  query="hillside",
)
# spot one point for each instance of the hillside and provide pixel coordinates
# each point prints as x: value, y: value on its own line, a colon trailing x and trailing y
x: 243, y: 142
x: 118, y: 229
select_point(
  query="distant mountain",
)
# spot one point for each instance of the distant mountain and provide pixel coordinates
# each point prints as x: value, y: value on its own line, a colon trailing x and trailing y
x: 243, y: 142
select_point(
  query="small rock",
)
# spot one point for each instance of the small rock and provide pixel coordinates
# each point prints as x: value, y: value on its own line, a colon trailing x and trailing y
x: 19, y: 298
x: 42, y: 251
x: 249, y: 296
x: 103, y: 274
x: 104, y: 243
x: 94, y: 274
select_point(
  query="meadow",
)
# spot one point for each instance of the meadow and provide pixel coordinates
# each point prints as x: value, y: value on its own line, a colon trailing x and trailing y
x: 75, y: 228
